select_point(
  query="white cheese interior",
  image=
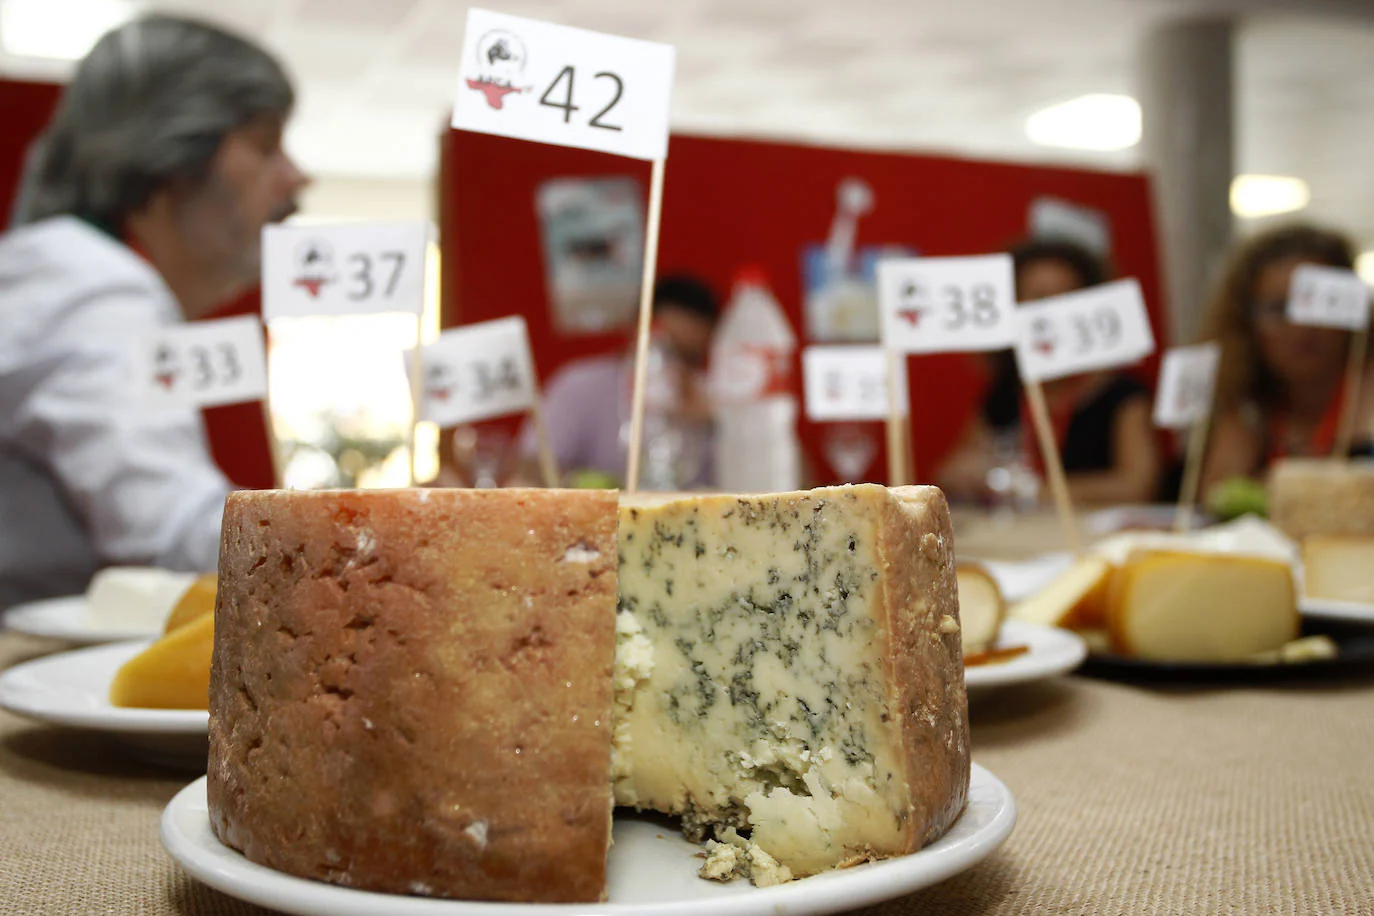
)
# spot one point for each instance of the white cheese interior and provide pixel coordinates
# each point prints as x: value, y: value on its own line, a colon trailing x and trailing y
x: 134, y: 597
x: 980, y: 609
x: 750, y: 675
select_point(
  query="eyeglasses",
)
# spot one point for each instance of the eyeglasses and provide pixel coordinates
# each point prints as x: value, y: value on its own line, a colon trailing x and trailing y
x: 1269, y: 312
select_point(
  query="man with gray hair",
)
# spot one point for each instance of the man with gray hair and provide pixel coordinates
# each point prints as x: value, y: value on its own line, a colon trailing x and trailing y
x: 143, y: 206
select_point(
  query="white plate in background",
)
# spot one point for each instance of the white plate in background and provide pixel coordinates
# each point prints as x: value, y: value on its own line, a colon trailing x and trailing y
x: 652, y: 871
x: 65, y: 618
x: 1053, y: 652
x: 1352, y: 611
x: 73, y: 689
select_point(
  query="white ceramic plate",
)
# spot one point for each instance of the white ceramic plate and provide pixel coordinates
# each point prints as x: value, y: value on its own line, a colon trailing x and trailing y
x: 652, y: 871
x: 1353, y: 611
x: 73, y: 689
x: 65, y: 618
x: 1052, y: 652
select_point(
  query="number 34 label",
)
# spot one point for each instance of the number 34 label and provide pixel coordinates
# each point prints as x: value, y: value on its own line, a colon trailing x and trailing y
x: 344, y: 269
x: 205, y: 364
x: 553, y: 84
x: 478, y: 371
x: 1096, y: 328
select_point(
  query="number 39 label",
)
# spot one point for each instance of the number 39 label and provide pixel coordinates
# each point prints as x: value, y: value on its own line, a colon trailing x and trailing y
x: 1083, y: 331
x: 205, y: 364
x: 344, y: 269
x: 553, y: 84
x: 478, y: 371
x: 947, y: 305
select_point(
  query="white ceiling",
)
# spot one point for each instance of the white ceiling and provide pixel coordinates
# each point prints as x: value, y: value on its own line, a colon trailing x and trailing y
x: 376, y: 77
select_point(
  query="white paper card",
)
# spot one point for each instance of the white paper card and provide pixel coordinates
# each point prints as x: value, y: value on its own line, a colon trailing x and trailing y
x: 849, y: 383
x: 478, y: 371
x: 203, y: 364
x: 1083, y: 331
x: 947, y: 305
x: 1328, y: 297
x: 1187, y: 378
x: 554, y: 84
x: 343, y: 269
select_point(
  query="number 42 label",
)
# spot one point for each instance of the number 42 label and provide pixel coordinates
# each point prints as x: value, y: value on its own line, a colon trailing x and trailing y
x: 554, y: 84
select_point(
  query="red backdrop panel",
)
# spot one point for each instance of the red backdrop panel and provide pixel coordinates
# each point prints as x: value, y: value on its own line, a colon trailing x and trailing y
x: 27, y: 108
x: 729, y: 203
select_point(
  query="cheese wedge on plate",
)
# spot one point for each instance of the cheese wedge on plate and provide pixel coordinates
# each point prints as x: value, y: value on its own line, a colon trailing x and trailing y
x: 1076, y: 598
x: 134, y: 597
x: 789, y: 665
x: 1339, y: 568
x: 195, y: 602
x: 172, y: 673
x: 981, y: 607
x: 1200, y: 607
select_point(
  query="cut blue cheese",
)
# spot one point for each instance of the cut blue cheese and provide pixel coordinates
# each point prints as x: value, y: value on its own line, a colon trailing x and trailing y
x: 789, y: 676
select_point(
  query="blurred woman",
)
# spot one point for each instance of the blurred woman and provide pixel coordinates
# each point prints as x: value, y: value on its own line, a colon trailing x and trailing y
x: 1102, y: 419
x: 1281, y: 387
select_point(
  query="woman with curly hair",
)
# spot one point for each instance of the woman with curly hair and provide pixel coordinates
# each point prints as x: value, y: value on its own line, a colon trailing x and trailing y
x: 1281, y: 387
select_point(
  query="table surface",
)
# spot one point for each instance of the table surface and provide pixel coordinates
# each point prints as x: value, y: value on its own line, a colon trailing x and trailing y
x: 1132, y: 799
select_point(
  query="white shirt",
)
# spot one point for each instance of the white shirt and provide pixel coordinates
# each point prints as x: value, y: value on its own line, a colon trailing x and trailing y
x: 89, y: 476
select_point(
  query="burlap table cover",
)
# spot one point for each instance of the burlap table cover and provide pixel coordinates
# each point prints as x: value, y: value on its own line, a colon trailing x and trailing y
x: 1132, y: 801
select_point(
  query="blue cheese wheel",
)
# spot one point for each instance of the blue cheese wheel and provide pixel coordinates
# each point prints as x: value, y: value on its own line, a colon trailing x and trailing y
x: 789, y: 676
x: 411, y: 690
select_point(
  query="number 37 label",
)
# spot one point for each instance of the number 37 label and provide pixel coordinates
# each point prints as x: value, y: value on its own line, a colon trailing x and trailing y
x: 343, y: 269
x: 554, y: 84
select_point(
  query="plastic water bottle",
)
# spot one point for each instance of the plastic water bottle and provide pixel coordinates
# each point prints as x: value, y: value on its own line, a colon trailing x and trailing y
x: 756, y: 448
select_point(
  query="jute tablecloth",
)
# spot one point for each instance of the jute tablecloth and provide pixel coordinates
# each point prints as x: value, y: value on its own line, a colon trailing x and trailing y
x: 1132, y: 801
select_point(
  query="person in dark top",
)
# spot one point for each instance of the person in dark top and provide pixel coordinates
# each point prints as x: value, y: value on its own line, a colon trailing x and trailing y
x: 1101, y: 419
x: 1280, y: 387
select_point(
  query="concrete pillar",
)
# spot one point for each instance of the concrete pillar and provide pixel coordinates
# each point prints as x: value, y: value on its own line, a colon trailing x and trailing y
x: 1187, y: 83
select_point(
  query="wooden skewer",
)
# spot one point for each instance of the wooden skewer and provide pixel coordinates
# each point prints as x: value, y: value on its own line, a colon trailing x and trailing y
x: 646, y: 315
x: 1054, y: 465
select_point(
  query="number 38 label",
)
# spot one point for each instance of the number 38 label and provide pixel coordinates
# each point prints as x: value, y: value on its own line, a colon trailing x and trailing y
x: 205, y: 364
x: 1083, y: 331
x: 938, y: 305
x: 553, y: 84
x: 344, y: 269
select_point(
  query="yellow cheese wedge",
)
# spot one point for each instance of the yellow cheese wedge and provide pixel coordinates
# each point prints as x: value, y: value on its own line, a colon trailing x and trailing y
x: 981, y: 607
x: 1199, y: 607
x: 1339, y: 568
x: 172, y: 673
x: 197, y: 600
x: 1075, y: 598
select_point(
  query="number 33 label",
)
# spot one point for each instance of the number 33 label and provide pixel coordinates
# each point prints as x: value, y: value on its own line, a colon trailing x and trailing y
x: 345, y: 269
x: 205, y: 364
x: 1096, y: 328
x: 553, y: 84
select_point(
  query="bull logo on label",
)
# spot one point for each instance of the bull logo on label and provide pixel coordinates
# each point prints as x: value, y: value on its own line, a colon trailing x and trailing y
x: 500, y: 62
x: 314, y: 266
x: 1043, y: 338
x: 439, y: 383
x: 165, y: 367
x: 915, y: 298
